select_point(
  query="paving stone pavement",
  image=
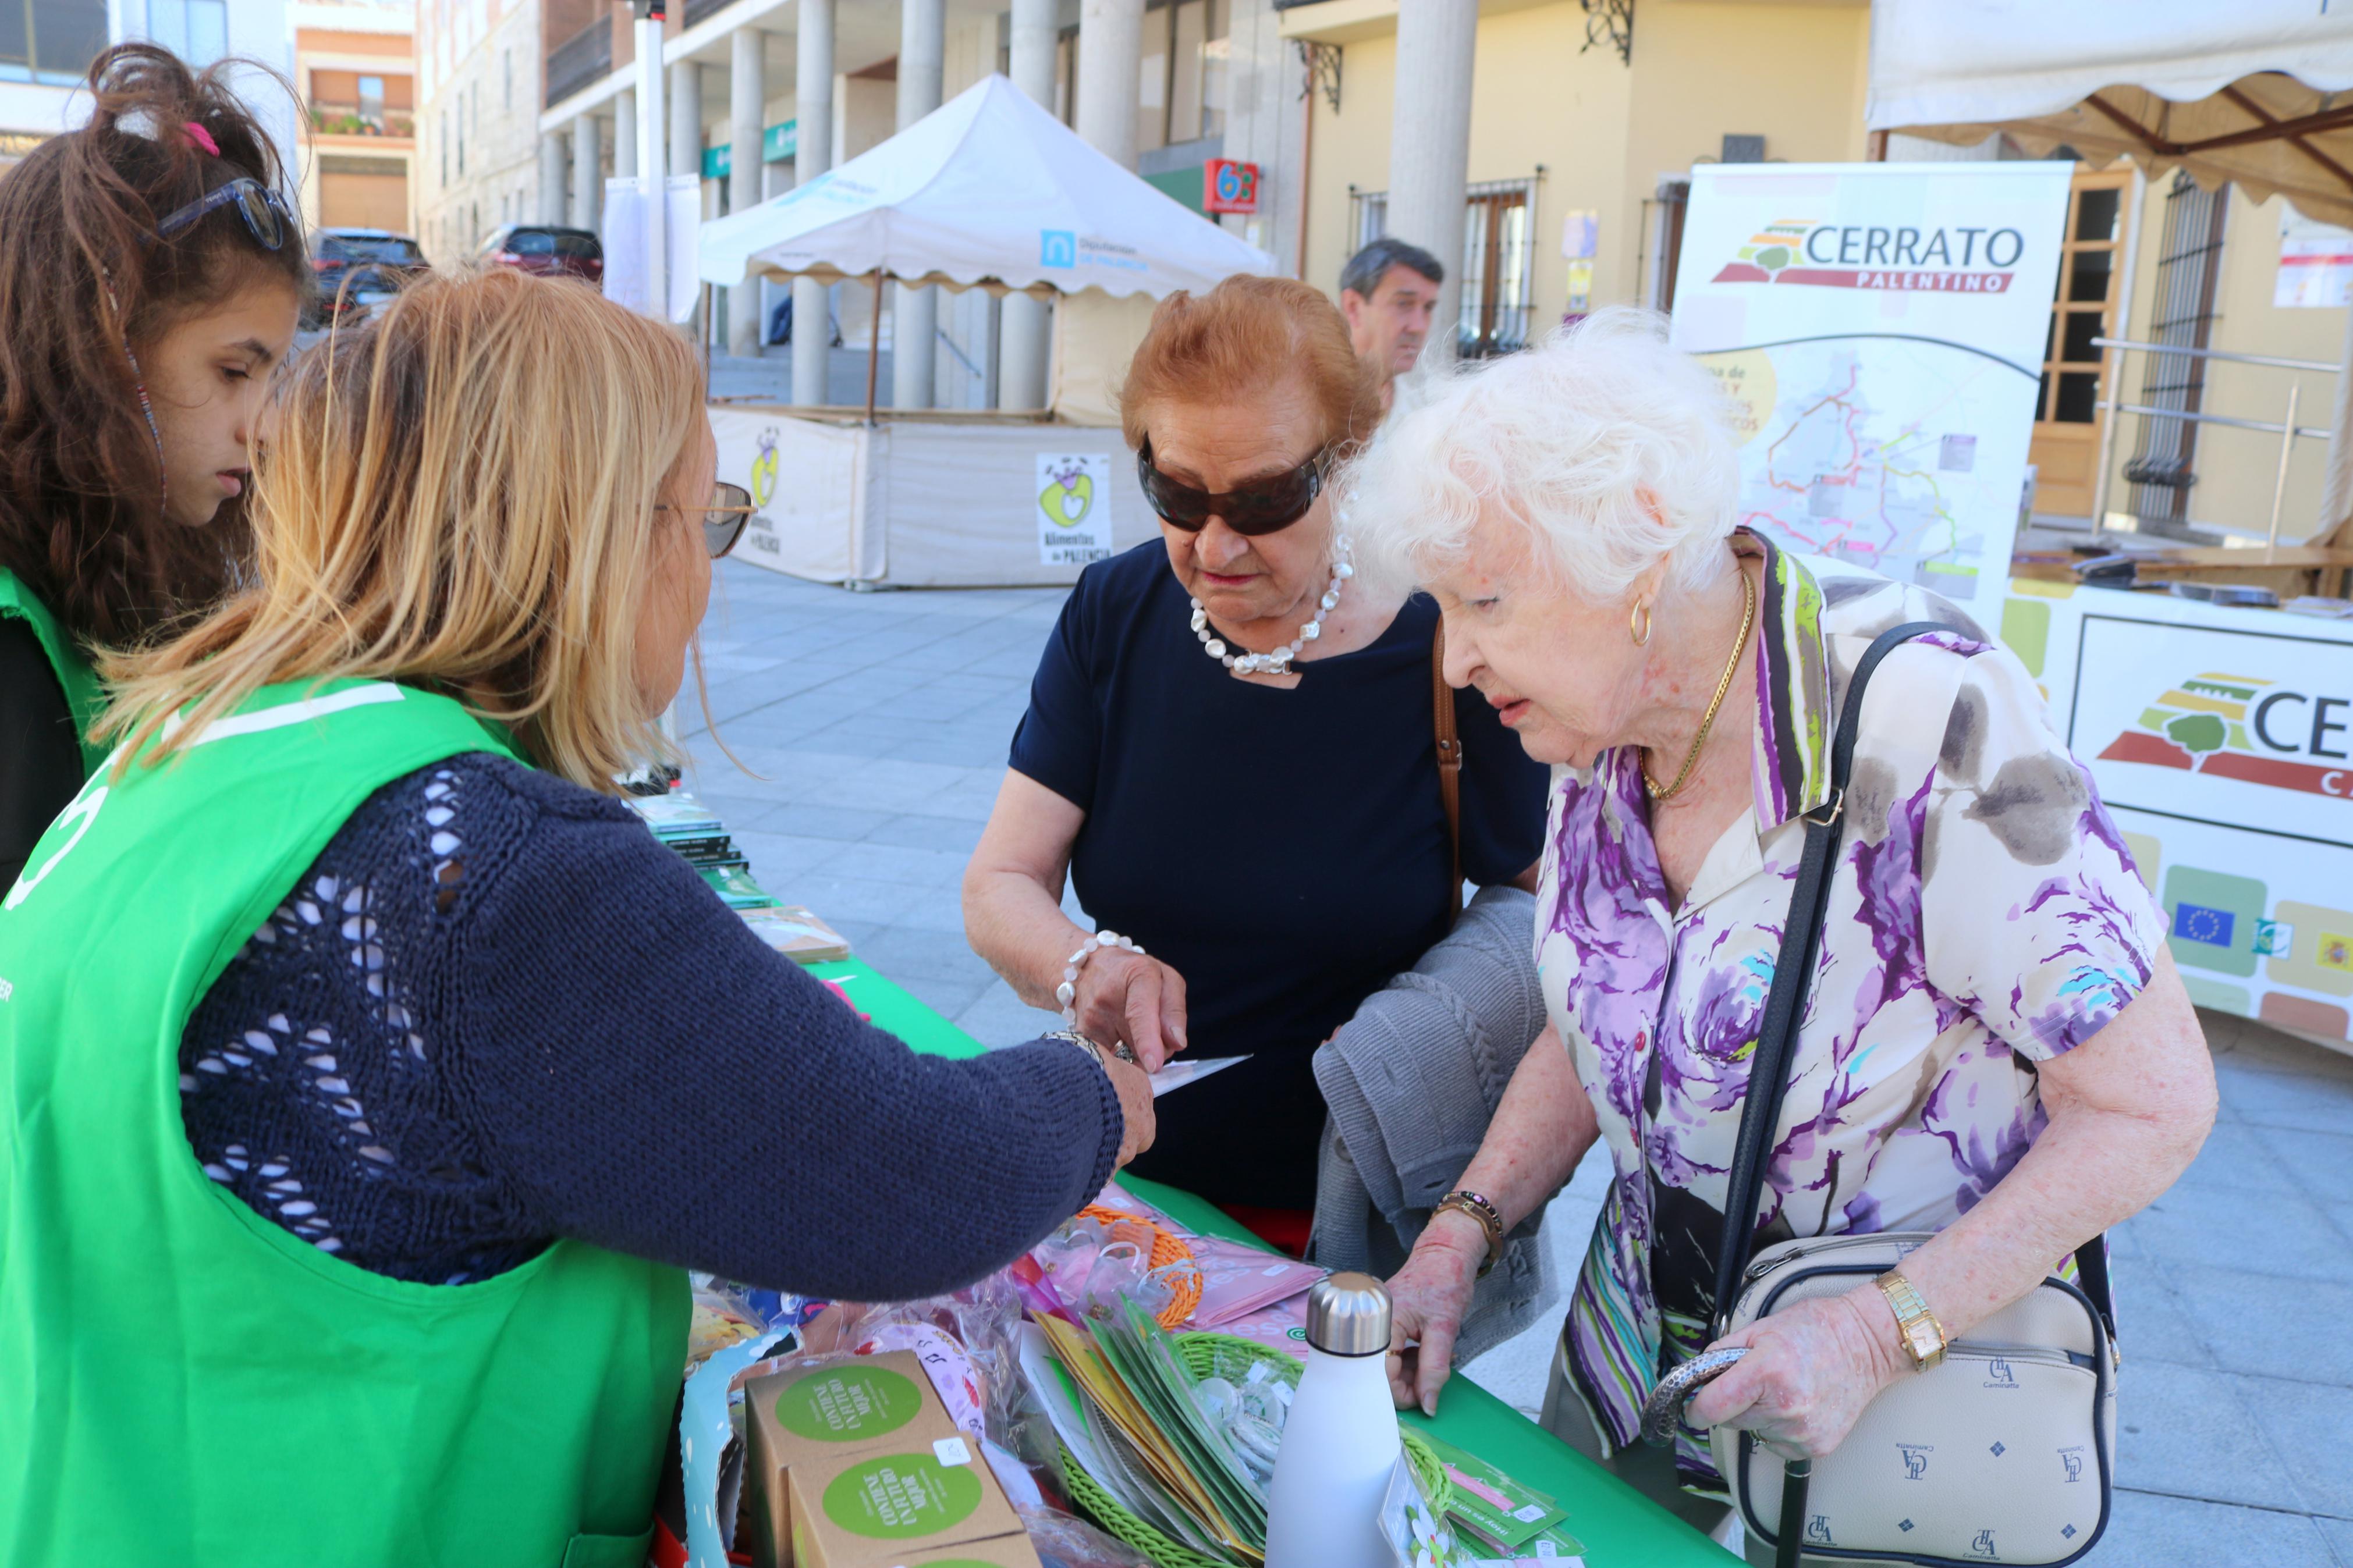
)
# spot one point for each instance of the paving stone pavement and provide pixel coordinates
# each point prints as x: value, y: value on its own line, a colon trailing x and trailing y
x: 878, y: 723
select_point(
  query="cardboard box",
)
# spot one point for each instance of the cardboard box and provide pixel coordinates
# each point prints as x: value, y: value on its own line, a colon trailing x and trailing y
x: 824, y: 1412
x: 1005, y: 1552
x: 896, y: 1505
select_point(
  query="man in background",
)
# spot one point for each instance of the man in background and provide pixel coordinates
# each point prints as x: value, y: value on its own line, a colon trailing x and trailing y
x: 1388, y: 292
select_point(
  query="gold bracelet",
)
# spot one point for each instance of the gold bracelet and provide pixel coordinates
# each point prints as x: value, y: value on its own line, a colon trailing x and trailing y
x: 1923, y: 1336
x: 1489, y: 1220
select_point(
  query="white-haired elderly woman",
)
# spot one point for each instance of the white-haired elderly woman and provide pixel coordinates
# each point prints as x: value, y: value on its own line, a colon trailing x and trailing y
x: 1997, y: 1048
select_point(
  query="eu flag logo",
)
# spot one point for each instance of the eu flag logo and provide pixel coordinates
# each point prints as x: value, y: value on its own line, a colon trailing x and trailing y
x: 2196, y: 922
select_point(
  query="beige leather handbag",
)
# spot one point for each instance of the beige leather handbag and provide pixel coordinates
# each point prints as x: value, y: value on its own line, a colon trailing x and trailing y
x: 2005, y: 1451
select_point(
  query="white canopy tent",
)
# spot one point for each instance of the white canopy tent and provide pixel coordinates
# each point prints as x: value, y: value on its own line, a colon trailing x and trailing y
x: 2259, y: 92
x: 989, y: 191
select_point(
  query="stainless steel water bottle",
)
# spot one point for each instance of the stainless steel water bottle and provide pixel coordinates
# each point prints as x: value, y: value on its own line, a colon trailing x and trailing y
x: 1341, y: 1441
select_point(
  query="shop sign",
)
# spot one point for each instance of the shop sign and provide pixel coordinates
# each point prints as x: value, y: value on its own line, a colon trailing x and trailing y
x: 1227, y: 186
x: 1073, y: 508
x: 777, y: 143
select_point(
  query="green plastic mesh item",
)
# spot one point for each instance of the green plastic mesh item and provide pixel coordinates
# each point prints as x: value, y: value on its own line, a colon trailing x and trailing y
x: 1207, y: 1355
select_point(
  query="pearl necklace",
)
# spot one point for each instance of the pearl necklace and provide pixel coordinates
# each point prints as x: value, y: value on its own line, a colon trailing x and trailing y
x: 1279, y: 662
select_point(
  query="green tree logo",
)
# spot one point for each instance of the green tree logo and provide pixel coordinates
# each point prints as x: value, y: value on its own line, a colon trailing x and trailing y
x: 2197, y: 733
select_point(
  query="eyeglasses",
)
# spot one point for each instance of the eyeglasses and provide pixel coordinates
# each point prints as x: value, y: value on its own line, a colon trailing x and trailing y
x: 1261, y: 507
x: 723, y: 519
x: 267, y: 216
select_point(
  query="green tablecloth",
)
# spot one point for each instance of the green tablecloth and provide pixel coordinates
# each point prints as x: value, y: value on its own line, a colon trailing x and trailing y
x: 1620, y: 1527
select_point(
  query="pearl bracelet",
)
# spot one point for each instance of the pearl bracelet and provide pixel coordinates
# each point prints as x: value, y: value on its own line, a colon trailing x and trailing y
x: 1067, y: 993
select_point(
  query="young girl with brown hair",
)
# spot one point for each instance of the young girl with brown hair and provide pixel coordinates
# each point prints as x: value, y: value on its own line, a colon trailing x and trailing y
x: 151, y: 275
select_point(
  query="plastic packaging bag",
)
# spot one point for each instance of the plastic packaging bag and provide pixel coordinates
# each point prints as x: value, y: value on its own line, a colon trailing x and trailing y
x: 1066, y: 1541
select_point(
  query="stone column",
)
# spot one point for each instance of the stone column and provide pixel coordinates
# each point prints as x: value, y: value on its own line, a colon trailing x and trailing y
x: 747, y: 98
x: 1110, y: 58
x: 923, y: 49
x: 625, y: 138
x: 813, y: 80
x: 1025, y: 329
x: 588, y: 175
x: 686, y: 118
x: 1430, y: 146
x: 552, y: 145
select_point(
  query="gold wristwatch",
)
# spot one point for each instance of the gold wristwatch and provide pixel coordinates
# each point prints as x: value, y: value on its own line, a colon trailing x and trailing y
x: 1923, y: 1335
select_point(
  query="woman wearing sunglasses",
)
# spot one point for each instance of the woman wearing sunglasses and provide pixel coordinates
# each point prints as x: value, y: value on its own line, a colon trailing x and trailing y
x: 149, y: 280
x: 349, y: 1217
x: 1230, y: 749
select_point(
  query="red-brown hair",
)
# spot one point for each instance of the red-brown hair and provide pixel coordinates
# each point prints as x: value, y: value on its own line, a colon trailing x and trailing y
x: 1250, y: 334
x: 81, y: 486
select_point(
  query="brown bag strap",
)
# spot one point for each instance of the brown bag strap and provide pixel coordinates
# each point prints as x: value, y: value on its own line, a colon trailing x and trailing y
x: 1449, y: 764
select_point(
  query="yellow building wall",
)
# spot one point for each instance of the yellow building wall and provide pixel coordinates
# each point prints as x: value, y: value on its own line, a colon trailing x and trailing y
x: 1602, y: 132
x: 1795, y: 74
x: 2237, y: 468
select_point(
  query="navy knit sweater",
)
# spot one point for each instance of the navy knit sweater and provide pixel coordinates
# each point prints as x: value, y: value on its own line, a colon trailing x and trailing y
x: 496, y: 1011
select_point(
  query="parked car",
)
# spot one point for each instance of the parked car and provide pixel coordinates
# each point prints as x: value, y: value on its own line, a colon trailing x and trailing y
x: 351, y: 262
x: 546, y: 250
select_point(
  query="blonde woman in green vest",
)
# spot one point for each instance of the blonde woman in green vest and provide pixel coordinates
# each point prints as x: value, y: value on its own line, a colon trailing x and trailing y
x: 369, y: 1078
x: 151, y: 274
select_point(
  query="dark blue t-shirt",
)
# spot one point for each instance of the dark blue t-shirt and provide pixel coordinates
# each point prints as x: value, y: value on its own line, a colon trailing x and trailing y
x: 1285, y: 851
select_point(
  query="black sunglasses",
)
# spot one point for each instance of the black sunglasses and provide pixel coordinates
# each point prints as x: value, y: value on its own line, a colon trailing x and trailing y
x: 724, y: 519
x: 267, y: 216
x: 1262, y: 505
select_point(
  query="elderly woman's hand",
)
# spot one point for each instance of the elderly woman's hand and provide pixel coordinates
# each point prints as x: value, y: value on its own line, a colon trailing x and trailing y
x: 1427, y: 1299
x: 1808, y: 1374
x: 1137, y: 1124
x: 1128, y: 996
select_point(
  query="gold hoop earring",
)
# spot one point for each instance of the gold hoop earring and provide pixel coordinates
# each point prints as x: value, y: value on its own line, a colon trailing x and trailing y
x: 1638, y: 623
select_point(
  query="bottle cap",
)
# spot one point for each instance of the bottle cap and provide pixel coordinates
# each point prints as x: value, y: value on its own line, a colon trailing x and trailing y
x: 1348, y: 1314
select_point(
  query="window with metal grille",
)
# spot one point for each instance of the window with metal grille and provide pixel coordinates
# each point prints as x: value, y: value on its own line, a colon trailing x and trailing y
x: 1368, y: 217
x: 1498, y: 264
x: 2189, y: 261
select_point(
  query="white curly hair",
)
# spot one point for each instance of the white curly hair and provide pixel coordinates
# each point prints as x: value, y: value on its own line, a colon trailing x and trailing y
x: 1575, y: 442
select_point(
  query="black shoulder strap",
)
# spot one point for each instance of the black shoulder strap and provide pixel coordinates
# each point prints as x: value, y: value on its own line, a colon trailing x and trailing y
x: 1785, y: 1003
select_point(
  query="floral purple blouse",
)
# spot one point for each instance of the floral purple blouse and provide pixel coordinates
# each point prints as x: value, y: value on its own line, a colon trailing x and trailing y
x: 1983, y: 916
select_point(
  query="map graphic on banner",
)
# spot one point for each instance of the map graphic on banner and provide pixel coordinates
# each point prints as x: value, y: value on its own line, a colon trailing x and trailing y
x: 1879, y: 329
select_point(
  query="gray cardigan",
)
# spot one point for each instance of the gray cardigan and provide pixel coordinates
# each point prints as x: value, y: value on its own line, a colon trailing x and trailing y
x: 1411, y: 1082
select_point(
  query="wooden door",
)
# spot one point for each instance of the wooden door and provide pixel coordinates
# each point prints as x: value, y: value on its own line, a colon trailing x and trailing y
x: 2087, y: 304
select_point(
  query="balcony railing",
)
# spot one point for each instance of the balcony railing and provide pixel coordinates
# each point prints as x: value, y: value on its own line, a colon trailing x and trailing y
x: 348, y: 120
x: 697, y: 10
x: 584, y: 57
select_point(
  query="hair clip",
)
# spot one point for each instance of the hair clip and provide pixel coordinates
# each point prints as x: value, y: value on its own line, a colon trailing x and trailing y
x: 200, y: 137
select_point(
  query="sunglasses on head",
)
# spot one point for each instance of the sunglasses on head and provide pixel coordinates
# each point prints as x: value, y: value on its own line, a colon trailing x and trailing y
x: 1262, y: 505
x: 267, y: 216
x: 723, y: 517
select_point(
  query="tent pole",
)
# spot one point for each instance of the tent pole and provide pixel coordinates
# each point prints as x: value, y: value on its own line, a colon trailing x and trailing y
x: 708, y: 316
x: 873, y: 345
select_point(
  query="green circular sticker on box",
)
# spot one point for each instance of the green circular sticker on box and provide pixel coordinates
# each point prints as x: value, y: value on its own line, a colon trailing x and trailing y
x: 899, y: 1497
x: 849, y: 1405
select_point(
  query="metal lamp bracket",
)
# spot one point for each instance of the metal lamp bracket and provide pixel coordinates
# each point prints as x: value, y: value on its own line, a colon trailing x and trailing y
x: 1610, y: 22
x: 1323, y: 63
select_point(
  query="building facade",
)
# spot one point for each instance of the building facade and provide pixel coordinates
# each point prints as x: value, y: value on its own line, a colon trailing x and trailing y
x: 356, y: 68
x: 47, y: 45
x: 479, y: 66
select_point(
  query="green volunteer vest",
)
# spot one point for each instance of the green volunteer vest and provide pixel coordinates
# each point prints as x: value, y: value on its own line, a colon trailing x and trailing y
x: 182, y: 1382
x: 84, y: 697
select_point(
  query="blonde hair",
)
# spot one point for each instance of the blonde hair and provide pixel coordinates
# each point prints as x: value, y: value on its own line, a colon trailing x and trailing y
x: 460, y: 495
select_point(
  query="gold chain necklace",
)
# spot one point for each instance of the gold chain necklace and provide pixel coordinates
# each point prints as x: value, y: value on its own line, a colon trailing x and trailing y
x: 1747, y: 620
